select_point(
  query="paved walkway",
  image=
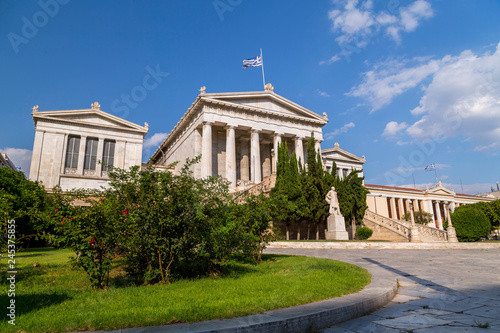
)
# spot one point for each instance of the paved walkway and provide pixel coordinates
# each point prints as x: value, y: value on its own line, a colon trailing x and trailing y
x: 441, y: 290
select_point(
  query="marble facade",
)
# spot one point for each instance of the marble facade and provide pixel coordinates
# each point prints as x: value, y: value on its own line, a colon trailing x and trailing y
x: 69, y: 146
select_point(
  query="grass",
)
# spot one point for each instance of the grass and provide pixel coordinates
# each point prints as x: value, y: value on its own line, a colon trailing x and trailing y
x: 57, y: 297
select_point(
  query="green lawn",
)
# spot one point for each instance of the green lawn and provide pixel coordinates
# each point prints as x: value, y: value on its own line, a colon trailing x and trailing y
x: 56, y: 297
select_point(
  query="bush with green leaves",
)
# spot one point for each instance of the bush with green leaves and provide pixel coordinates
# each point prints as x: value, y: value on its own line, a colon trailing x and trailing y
x: 420, y: 216
x: 24, y: 201
x: 364, y: 233
x: 471, y: 224
x: 166, y: 226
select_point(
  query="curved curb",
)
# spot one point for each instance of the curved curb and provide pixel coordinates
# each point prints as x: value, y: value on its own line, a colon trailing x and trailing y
x: 383, y: 245
x: 300, y: 318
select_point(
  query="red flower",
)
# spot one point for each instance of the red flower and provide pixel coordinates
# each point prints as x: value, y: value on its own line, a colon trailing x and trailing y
x: 125, y: 212
x: 57, y: 210
x: 92, y: 241
x: 72, y: 218
x: 102, y: 200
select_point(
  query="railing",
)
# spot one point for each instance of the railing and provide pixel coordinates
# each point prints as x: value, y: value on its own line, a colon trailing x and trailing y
x: 403, y: 228
x: 396, y: 226
x: 264, y: 186
x: 429, y: 232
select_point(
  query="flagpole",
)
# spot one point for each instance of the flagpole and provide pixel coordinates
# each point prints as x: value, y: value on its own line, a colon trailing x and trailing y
x: 263, y: 77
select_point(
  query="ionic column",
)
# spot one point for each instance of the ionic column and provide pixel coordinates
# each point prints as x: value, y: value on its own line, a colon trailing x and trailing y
x: 206, y: 150
x: 394, y: 214
x: 299, y: 150
x: 276, y: 143
x: 438, y: 213
x: 81, y: 155
x: 255, y: 157
x: 401, y: 208
x: 340, y: 174
x: 244, y: 162
x: 231, y: 155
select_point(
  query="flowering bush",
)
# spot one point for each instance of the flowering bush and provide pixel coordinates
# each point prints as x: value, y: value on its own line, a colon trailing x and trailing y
x: 167, y: 226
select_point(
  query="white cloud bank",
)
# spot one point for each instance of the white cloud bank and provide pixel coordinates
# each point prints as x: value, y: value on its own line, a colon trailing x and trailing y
x: 462, y: 98
x: 20, y: 157
x: 357, y: 23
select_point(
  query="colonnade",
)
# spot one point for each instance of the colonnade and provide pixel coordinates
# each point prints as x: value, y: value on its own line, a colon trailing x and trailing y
x: 397, y: 207
x: 250, y: 164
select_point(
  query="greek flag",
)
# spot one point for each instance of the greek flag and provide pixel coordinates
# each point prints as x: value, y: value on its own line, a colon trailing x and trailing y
x: 254, y: 62
x: 430, y: 167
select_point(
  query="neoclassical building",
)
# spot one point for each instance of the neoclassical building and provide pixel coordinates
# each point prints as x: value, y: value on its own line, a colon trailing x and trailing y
x: 344, y: 160
x: 77, y: 148
x: 394, y: 202
x: 237, y: 135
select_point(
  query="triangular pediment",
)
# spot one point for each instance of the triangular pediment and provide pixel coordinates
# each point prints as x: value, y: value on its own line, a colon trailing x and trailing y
x: 92, y: 117
x: 266, y: 101
x: 439, y: 189
x: 339, y: 154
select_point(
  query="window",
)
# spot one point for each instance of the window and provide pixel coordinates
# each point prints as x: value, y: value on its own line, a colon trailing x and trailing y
x: 90, y: 154
x: 72, y: 152
x: 108, y: 155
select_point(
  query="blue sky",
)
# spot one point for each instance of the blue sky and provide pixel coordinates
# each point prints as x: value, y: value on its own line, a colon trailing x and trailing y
x: 406, y: 83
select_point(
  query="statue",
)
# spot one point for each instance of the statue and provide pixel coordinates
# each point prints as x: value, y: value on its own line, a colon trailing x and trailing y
x: 269, y: 87
x: 335, y: 222
x: 35, y: 108
x: 325, y: 115
x: 202, y: 90
x: 332, y: 199
x: 96, y: 106
x: 146, y: 125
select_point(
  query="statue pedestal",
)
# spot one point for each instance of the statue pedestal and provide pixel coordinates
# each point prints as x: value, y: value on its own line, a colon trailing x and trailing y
x: 336, y: 228
x: 452, y: 235
x: 414, y: 236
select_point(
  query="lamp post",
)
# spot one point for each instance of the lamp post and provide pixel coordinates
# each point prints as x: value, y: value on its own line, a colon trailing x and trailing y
x: 414, y: 236
x: 452, y: 234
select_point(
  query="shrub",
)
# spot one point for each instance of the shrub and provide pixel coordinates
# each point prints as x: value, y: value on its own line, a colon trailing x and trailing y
x: 470, y: 223
x: 364, y: 233
x: 421, y: 217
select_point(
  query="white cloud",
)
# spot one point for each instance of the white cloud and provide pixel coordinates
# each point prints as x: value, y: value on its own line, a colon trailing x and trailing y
x: 356, y: 23
x: 392, y: 129
x: 463, y: 100
x: 333, y: 59
x: 391, y: 78
x: 154, y: 141
x: 338, y: 131
x: 20, y: 157
x: 322, y: 93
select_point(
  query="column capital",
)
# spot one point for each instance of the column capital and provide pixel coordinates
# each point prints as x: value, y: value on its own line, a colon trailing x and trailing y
x: 278, y: 134
x: 299, y: 137
x: 253, y: 130
x: 230, y: 126
x: 207, y: 122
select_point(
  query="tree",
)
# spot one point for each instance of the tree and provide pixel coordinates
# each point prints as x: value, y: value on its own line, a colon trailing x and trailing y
x: 471, y: 224
x: 23, y: 201
x: 316, y: 186
x: 287, y: 198
x: 352, y: 198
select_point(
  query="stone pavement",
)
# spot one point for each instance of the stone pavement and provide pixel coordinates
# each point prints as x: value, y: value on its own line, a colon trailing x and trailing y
x: 441, y: 290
